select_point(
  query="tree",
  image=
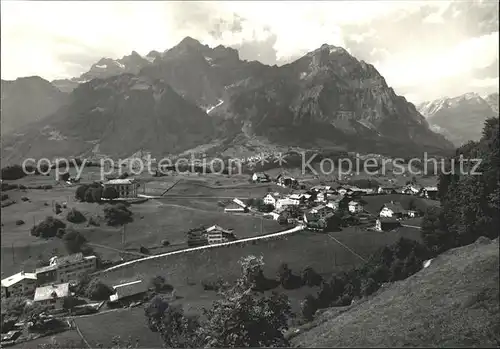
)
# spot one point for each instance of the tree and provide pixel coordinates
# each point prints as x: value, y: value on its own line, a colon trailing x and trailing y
x: 284, y: 275
x: 252, y: 270
x: 110, y: 193
x: 368, y: 286
x: 311, y: 278
x: 12, y: 172
x: 242, y: 319
x: 176, y: 329
x: 325, y: 295
x: 435, y: 235
x: 98, y: 291
x: 74, y: 241
x: 117, y: 214
x: 47, y: 228
x: 309, y: 307
x: 81, y: 192
x: 75, y: 216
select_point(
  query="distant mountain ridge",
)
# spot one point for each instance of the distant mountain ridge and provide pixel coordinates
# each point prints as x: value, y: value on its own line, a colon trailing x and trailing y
x: 460, y: 118
x: 116, y: 116
x: 26, y: 100
x: 325, y: 99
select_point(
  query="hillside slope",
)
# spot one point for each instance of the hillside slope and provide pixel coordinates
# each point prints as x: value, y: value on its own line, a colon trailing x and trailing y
x: 26, y: 100
x: 454, y: 302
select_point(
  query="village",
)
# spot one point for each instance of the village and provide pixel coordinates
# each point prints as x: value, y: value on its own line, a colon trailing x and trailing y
x: 295, y: 204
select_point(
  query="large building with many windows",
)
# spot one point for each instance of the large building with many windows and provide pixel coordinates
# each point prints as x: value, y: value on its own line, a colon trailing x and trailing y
x: 71, y: 268
x: 20, y: 284
x: 126, y: 188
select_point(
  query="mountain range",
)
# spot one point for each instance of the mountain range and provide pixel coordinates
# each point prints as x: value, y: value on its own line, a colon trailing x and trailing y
x: 27, y: 100
x: 194, y: 96
x: 460, y: 118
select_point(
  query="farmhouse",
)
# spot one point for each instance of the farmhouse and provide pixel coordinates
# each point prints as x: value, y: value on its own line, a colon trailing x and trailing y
x: 411, y: 190
x: 129, y: 291
x: 387, y: 224
x: 321, y: 210
x: 197, y: 237
x: 429, y: 193
x: 270, y: 199
x: 355, y: 207
x: 286, y: 181
x: 72, y: 267
x: 53, y: 295
x: 286, y: 202
x: 20, y: 284
x: 260, y: 177
x: 386, y: 190
x: 236, y: 206
x: 216, y: 235
x: 126, y: 188
x: 392, y: 210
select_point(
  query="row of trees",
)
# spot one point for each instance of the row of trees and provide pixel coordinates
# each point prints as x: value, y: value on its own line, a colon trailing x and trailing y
x: 391, y: 263
x: 95, y: 193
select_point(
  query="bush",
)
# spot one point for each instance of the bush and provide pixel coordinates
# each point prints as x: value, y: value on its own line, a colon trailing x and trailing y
x: 117, y: 214
x: 19, y: 222
x: 47, y: 228
x: 5, y: 197
x: 75, y: 216
x: 165, y: 243
x: 25, y: 198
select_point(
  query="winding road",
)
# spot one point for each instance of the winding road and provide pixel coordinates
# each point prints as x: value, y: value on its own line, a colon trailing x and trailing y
x: 240, y: 241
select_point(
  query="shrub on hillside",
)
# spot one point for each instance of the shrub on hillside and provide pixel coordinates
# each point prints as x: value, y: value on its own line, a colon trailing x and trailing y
x: 75, y: 216
x: 12, y: 172
x: 117, y: 214
x: 47, y: 228
x: 19, y: 222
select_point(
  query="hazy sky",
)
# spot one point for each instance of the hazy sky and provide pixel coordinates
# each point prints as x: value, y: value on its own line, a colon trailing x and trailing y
x: 425, y: 50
